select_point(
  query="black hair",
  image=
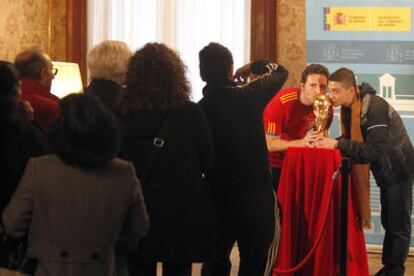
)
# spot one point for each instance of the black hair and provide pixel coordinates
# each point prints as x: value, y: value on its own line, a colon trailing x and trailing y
x: 215, y: 62
x: 9, y: 87
x: 345, y: 76
x: 85, y: 134
x: 318, y: 69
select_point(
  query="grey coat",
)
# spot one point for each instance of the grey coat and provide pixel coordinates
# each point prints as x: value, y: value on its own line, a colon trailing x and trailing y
x: 75, y: 218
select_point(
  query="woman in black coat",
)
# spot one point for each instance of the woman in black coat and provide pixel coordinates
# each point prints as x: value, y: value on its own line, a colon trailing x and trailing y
x: 157, y: 97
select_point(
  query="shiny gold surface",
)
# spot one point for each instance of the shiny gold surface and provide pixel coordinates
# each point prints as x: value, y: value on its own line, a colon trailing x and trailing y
x: 321, y: 110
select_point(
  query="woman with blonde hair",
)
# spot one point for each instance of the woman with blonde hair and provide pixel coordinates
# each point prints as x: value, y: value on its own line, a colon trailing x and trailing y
x: 167, y: 138
x: 107, y: 64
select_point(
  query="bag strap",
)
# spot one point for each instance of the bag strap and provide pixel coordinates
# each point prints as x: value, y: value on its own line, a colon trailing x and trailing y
x: 158, y: 143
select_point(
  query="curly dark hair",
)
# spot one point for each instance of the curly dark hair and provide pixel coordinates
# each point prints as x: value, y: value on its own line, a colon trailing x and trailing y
x: 85, y: 134
x: 155, y: 80
x: 215, y: 62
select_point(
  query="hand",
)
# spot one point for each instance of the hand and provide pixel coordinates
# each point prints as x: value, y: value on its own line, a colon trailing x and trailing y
x: 26, y: 110
x: 323, y: 142
x: 242, y: 74
x: 364, y: 223
x: 310, y: 139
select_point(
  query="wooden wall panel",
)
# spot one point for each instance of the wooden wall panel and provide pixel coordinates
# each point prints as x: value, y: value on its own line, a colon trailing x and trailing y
x: 263, y: 30
x: 291, y: 38
x: 76, y: 34
x: 278, y: 32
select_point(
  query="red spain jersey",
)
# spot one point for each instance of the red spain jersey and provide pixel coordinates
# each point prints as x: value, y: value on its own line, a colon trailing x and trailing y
x: 287, y: 117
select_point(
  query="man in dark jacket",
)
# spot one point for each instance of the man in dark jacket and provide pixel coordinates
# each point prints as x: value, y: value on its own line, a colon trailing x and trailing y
x: 241, y: 185
x: 387, y: 148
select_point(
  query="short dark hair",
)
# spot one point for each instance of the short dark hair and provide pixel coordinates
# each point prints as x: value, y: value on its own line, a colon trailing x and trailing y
x: 9, y: 87
x: 318, y: 69
x: 215, y: 62
x: 85, y: 134
x: 345, y: 76
x: 30, y: 62
x: 155, y: 80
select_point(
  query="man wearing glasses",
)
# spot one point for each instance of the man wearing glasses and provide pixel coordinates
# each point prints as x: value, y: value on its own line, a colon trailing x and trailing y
x: 36, y: 75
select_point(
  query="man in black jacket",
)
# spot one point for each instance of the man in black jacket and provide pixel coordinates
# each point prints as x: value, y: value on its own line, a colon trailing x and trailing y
x: 387, y: 148
x: 241, y: 186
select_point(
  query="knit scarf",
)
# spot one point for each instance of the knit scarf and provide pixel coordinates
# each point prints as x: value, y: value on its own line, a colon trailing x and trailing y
x: 359, y: 172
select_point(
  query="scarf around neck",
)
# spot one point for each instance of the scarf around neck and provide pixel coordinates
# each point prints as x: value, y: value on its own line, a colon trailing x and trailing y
x: 360, y: 186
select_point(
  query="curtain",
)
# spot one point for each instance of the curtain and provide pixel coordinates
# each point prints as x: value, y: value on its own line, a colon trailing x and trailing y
x: 184, y: 25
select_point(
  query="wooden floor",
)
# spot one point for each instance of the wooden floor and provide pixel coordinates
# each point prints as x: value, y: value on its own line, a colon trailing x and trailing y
x: 374, y: 263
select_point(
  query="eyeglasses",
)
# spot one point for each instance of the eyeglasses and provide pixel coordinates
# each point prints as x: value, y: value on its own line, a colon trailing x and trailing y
x: 54, y: 71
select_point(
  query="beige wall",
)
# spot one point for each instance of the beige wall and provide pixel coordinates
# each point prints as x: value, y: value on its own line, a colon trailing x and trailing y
x: 291, y: 38
x: 25, y: 23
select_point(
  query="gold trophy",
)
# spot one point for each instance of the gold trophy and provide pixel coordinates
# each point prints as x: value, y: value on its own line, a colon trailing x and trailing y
x: 321, y: 110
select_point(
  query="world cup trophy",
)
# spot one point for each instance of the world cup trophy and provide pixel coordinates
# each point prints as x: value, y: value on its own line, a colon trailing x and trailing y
x: 321, y: 110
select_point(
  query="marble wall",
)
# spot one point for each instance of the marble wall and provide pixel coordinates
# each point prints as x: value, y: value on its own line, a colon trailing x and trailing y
x: 291, y: 38
x: 25, y: 23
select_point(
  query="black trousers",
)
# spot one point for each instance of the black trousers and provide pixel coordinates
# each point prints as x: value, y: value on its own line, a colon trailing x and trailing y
x: 396, y: 206
x: 276, y: 172
x: 256, y: 230
x: 150, y: 268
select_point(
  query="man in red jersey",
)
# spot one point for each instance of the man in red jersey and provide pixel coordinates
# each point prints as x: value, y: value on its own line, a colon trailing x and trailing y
x: 289, y: 116
x: 36, y: 75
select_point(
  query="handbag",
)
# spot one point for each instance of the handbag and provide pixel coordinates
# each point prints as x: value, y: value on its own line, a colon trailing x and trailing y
x: 12, y: 251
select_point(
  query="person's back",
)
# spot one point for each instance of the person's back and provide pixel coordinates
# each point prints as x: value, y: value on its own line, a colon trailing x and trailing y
x: 235, y: 117
x: 36, y: 74
x: 107, y: 91
x: 17, y: 146
x: 394, y: 163
x: 235, y: 120
x: 80, y: 204
x: 167, y: 138
x: 246, y: 209
x: 18, y: 142
x: 78, y: 215
x: 180, y: 209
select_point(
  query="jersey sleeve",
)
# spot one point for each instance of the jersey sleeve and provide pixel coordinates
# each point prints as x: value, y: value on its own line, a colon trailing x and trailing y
x: 273, y: 117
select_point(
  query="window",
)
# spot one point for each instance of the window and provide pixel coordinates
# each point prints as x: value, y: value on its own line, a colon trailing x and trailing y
x: 184, y: 25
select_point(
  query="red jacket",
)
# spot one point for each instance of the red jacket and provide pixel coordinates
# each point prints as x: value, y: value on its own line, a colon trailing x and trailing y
x: 44, y: 103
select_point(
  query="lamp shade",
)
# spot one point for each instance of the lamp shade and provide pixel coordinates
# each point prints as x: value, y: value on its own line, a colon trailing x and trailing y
x: 67, y: 80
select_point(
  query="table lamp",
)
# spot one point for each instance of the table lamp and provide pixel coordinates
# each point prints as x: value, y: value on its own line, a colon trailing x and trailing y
x: 67, y: 80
